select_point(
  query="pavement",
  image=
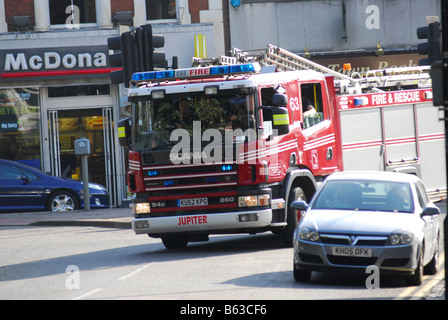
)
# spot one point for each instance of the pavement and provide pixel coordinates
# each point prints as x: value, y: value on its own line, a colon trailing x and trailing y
x: 111, y: 218
x: 118, y: 218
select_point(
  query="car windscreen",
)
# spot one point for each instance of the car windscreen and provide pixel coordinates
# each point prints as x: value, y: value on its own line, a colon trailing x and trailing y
x: 365, y: 195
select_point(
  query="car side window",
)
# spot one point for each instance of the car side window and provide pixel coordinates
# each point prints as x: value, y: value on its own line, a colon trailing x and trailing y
x: 422, y: 195
x: 29, y: 175
x: 8, y: 172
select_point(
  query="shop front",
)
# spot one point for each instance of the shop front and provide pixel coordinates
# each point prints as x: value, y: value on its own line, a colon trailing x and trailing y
x: 52, y: 95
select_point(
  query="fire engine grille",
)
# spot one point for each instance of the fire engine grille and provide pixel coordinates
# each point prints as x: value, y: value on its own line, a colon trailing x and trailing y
x: 190, y: 177
x: 187, y: 189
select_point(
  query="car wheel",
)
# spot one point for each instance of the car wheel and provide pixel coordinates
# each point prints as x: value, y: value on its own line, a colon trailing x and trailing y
x: 62, y: 201
x: 175, y: 242
x: 417, y: 278
x: 292, y: 218
x: 433, y: 266
x: 301, y: 275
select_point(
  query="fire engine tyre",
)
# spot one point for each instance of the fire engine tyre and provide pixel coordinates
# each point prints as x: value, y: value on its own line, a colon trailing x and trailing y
x: 175, y: 242
x: 292, y: 216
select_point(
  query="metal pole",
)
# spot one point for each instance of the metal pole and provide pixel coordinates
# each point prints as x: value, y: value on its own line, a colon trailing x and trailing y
x: 445, y: 106
x: 85, y: 182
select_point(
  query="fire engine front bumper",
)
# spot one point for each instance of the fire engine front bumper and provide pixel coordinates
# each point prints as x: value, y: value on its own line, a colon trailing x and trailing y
x: 203, y: 222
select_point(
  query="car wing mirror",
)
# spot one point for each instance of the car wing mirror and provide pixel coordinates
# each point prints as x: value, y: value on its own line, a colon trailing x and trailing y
x: 430, y: 211
x: 299, y: 205
x: 25, y: 179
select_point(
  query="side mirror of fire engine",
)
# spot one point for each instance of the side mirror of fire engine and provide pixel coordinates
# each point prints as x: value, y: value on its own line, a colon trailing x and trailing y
x: 124, y: 132
x: 279, y: 100
x: 280, y: 120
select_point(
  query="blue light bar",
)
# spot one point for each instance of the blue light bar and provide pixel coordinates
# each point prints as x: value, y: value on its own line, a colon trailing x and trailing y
x: 165, y: 74
x: 220, y: 70
x: 201, y: 72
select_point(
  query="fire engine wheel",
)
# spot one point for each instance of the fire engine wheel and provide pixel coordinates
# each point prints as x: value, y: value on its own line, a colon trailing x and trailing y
x: 175, y: 242
x: 292, y: 217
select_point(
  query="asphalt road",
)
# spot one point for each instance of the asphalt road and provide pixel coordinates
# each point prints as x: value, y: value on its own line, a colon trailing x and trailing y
x: 105, y: 263
x: 94, y: 255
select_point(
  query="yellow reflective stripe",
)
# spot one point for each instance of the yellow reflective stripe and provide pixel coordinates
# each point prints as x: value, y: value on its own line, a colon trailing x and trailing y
x: 280, y: 119
x: 121, y: 132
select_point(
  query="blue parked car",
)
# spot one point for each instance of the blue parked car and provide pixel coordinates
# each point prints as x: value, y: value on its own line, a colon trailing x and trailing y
x: 26, y: 188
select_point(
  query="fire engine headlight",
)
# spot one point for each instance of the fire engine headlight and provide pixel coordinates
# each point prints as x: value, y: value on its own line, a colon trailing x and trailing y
x: 158, y: 94
x: 253, y: 200
x: 211, y: 90
x: 141, y: 208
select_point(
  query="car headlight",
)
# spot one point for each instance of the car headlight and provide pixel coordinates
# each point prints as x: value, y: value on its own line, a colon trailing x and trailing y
x: 308, y: 234
x: 253, y: 200
x: 95, y: 186
x: 401, y: 238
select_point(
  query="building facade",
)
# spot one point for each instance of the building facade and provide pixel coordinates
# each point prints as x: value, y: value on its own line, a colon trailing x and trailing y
x: 369, y: 34
x: 54, y: 77
x: 54, y: 71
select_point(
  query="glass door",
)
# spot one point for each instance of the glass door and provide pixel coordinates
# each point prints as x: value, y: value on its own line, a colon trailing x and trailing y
x: 53, y: 128
x: 95, y: 124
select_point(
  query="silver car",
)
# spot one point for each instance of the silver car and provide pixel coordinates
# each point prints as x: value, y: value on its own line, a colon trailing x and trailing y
x: 361, y: 219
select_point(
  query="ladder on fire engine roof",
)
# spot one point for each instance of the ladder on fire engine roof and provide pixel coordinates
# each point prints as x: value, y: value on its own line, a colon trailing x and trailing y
x: 372, y: 80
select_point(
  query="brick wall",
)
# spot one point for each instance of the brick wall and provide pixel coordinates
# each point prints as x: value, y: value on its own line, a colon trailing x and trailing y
x: 121, y: 5
x: 194, y: 6
x: 18, y: 8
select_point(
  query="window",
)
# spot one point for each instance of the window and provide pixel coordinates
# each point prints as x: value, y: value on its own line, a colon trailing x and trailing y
x: 76, y: 91
x: 20, y: 125
x: 72, y: 12
x: 313, y: 109
x: 160, y: 9
x: 365, y: 195
x: 422, y: 195
x: 9, y: 172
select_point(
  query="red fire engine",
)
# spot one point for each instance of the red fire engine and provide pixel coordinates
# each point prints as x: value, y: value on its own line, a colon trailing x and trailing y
x: 226, y: 146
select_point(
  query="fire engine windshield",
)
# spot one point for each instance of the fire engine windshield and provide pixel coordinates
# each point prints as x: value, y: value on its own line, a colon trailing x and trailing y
x: 156, y: 119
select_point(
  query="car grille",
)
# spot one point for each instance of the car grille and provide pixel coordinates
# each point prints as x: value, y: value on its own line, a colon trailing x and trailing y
x: 351, y: 261
x: 353, y: 240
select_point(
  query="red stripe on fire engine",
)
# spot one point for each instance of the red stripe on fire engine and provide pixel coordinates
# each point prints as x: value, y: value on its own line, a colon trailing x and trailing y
x: 431, y: 137
x: 360, y: 145
x: 188, y: 196
x: 183, y: 176
x: 400, y: 141
x: 190, y: 186
x: 210, y: 206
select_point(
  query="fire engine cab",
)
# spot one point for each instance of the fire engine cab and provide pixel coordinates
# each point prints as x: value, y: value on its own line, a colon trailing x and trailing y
x: 227, y: 145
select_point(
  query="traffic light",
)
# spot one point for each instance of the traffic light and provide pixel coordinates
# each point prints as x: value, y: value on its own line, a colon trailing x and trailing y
x: 134, y: 52
x: 124, y: 58
x: 432, y: 46
x: 152, y: 59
